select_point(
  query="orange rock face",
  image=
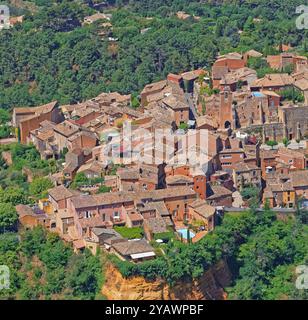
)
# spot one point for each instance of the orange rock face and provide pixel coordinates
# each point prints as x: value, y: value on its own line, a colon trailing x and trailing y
x: 209, y: 286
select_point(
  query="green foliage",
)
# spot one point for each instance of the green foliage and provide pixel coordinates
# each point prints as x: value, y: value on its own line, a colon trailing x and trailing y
x: 127, y: 269
x: 239, y: 84
x: 55, y: 253
x: 166, y: 236
x: 84, y: 276
x: 12, y: 178
x: 24, y: 152
x: 286, y: 142
x: 52, y: 56
x: 8, y: 217
x: 43, y: 266
x: 9, y: 247
x: 271, y: 143
x: 135, y: 102
x: 39, y: 186
x: 5, y: 131
x: 63, y: 152
x: 4, y: 116
x: 261, y: 66
x: 32, y: 241
x: 257, y: 63
x: 292, y: 94
x: 130, y: 233
x: 183, y: 126
x: 103, y: 189
x: 82, y: 180
x: 26, y: 156
x: 267, y: 262
x: 13, y: 195
x: 251, y: 194
x: 79, y: 180
x: 288, y: 68
x: 206, y: 90
x: 2, y: 162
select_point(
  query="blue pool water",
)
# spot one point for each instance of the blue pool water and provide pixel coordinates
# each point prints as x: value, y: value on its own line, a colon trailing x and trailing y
x: 183, y: 232
x: 258, y: 94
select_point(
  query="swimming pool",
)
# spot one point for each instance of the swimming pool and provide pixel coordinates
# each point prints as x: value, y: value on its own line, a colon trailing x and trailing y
x: 184, y: 233
x: 258, y: 94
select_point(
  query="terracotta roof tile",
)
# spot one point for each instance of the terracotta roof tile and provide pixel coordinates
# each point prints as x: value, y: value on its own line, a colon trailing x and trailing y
x: 126, y: 248
x: 60, y: 193
x: 202, y: 208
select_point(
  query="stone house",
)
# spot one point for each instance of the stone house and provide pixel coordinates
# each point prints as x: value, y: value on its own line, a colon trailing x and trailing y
x: 136, y: 251
x: 246, y: 174
x: 200, y: 211
x: 59, y: 195
x: 28, y: 119
x: 218, y: 196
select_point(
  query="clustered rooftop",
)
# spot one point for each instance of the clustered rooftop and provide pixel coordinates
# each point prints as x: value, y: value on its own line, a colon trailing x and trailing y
x: 241, y: 115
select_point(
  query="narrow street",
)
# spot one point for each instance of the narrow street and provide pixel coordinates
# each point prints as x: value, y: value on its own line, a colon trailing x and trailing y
x: 193, y: 113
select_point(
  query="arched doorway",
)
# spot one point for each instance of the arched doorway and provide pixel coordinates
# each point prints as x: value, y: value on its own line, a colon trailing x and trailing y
x: 227, y: 125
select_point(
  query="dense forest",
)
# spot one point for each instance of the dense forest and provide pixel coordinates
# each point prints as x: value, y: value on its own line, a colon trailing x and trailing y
x: 52, y: 55
x: 43, y: 267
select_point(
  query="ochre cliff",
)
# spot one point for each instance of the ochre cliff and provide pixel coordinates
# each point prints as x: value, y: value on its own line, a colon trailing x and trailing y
x: 207, y: 287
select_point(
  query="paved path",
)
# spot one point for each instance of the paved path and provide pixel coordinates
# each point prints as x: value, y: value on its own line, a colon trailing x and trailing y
x: 8, y: 140
x: 191, y: 104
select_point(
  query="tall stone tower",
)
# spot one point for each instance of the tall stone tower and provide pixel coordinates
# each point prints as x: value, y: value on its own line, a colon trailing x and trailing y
x: 200, y: 185
x: 225, y: 110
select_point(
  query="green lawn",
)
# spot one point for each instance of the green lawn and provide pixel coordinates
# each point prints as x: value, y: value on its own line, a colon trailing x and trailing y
x: 235, y: 213
x: 130, y: 233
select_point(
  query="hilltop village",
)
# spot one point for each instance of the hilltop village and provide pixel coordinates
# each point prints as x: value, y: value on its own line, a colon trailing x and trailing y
x: 256, y: 154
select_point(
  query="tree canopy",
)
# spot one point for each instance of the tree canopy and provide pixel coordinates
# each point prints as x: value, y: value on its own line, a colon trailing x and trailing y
x: 39, y: 187
x: 53, y: 56
x: 8, y: 217
x: 43, y: 266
